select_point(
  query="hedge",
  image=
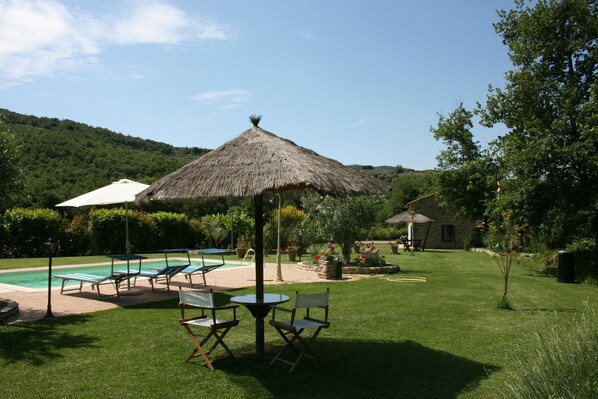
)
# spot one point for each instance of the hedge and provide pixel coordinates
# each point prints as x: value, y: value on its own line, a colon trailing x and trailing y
x: 24, y: 231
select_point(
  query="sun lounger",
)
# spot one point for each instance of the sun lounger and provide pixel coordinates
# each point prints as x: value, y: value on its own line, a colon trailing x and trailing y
x: 115, y: 278
x: 203, y: 270
x: 166, y: 272
x: 189, y: 271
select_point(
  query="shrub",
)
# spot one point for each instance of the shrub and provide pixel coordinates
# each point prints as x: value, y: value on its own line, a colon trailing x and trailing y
x: 562, y: 363
x: 197, y: 238
x: 75, y: 239
x: 28, y: 229
x: 108, y: 231
x: 586, y: 260
x: 473, y: 239
x: 172, y: 229
x: 385, y: 233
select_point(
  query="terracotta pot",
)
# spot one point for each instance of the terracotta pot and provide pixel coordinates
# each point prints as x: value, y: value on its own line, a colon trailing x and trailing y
x: 241, y: 252
x: 292, y: 255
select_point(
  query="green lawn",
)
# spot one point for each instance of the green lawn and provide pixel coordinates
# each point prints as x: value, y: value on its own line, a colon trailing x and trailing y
x: 444, y: 338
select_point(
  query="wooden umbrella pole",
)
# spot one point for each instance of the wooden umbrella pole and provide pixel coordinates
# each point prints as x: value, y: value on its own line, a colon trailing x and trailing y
x: 259, y: 246
x: 259, y: 272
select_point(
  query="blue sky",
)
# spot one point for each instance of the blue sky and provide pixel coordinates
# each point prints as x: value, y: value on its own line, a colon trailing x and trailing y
x: 357, y: 81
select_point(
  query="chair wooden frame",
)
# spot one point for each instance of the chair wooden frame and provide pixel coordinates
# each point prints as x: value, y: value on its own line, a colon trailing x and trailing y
x: 217, y: 328
x: 291, y: 330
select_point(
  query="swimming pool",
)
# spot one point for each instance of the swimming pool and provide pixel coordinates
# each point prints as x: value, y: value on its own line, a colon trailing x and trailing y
x: 38, y: 278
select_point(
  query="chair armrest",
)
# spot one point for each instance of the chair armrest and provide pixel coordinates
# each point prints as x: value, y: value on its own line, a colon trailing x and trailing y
x: 275, y: 307
x: 226, y: 307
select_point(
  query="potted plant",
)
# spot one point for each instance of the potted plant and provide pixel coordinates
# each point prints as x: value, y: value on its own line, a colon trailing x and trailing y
x: 292, y: 250
x: 327, y: 260
x: 394, y: 247
x: 357, y: 246
x: 242, y: 246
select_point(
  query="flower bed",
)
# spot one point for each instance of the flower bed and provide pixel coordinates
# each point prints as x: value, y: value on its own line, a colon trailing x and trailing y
x: 354, y: 269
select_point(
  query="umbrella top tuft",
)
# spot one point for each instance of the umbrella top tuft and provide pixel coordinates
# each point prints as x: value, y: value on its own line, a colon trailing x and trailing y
x: 255, y: 119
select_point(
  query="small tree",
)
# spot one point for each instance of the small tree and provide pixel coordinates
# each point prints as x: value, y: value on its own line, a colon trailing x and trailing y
x: 342, y: 220
x: 238, y: 221
x: 503, y: 237
x: 215, y: 228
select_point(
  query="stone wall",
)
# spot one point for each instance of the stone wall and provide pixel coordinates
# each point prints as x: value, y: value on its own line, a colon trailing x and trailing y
x: 436, y: 235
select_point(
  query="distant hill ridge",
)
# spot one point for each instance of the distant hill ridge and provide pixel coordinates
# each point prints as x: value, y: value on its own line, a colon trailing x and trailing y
x: 62, y: 158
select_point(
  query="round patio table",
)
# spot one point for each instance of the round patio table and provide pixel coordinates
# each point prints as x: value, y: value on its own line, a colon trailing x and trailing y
x: 259, y: 308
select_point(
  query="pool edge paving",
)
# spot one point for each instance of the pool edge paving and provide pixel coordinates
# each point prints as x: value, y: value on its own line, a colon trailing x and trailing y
x: 33, y: 302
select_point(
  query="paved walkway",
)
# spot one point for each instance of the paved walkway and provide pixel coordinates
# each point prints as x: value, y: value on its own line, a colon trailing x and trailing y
x: 33, y: 302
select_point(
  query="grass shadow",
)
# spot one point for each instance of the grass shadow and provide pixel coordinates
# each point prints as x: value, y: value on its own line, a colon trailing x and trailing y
x: 360, y: 369
x: 40, y: 342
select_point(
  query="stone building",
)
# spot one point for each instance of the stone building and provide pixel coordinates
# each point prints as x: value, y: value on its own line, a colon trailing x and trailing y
x: 445, y: 232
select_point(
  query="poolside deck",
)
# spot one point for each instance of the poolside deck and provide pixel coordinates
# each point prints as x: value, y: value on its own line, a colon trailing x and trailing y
x: 33, y: 302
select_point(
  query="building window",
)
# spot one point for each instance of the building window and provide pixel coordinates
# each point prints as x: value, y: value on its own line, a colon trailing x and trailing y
x: 448, y: 232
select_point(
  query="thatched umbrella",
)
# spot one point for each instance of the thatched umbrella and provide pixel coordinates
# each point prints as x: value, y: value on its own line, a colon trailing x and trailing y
x: 253, y: 164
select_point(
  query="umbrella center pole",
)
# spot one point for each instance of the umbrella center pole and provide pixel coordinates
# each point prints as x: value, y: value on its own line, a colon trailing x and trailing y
x: 259, y: 270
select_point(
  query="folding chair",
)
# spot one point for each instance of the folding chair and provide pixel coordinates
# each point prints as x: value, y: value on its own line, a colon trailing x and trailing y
x: 217, y: 328
x: 291, y: 330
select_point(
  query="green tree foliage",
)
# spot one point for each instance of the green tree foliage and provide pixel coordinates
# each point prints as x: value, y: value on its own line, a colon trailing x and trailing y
x: 10, y: 167
x: 547, y: 162
x: 465, y: 173
x: 214, y: 227
x: 63, y: 159
x: 384, y: 173
x: 549, y: 157
x: 342, y: 220
x: 291, y: 220
x: 405, y: 188
x: 238, y: 222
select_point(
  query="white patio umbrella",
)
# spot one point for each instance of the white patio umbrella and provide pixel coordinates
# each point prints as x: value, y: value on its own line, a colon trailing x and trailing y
x: 122, y: 191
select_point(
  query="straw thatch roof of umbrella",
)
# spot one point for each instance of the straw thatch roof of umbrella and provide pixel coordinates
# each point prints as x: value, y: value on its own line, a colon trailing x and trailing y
x: 256, y: 162
x: 408, y: 217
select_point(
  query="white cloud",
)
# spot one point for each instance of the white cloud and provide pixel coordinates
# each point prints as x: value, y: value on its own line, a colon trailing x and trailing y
x: 163, y: 23
x: 360, y: 122
x: 225, y: 99
x: 39, y: 38
x: 306, y: 34
x: 44, y: 37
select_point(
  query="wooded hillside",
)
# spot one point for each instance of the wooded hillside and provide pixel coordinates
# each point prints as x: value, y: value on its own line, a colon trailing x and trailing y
x: 62, y: 158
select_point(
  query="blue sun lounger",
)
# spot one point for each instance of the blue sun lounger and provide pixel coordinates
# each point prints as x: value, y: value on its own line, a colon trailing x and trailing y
x: 204, y: 269
x: 167, y: 272
x: 189, y: 271
x: 115, y: 278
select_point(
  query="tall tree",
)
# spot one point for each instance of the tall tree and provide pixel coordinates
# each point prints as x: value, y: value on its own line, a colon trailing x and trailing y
x: 10, y: 169
x: 465, y: 172
x: 549, y: 104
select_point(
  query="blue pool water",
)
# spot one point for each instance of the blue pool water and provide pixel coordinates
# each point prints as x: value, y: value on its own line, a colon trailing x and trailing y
x: 39, y: 278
